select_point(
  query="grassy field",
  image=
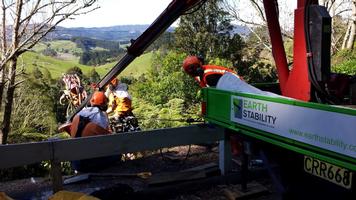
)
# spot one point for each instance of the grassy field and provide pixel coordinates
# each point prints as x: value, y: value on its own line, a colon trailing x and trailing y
x: 57, y: 66
x: 59, y: 45
x: 139, y: 66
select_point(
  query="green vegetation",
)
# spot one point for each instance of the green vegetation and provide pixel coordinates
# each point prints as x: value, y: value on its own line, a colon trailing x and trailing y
x: 57, y: 67
x: 34, y: 116
x: 138, y: 67
x: 62, y: 47
x: 97, y: 52
x: 344, y: 62
x: 165, y: 94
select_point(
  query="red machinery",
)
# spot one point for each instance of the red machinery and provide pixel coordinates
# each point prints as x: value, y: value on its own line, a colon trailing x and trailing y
x: 310, y: 78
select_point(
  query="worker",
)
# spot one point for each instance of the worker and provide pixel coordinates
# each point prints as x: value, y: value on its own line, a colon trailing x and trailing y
x: 91, y: 121
x: 205, y: 75
x: 122, y: 120
x: 208, y: 76
x: 119, y: 99
x: 95, y: 114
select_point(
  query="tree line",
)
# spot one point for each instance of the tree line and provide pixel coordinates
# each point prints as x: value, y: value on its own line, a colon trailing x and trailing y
x: 91, y: 56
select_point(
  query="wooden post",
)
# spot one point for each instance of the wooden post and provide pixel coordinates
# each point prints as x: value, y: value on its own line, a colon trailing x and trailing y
x: 56, y: 176
x: 225, y: 154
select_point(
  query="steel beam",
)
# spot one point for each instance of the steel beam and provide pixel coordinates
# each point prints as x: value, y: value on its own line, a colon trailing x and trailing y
x: 97, y: 146
x: 13, y: 155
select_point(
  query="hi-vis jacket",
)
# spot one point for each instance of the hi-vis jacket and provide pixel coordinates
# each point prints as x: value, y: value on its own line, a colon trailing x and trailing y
x: 120, y: 99
x: 211, y: 76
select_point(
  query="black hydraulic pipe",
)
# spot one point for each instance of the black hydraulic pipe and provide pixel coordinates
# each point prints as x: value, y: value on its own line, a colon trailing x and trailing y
x: 175, y: 9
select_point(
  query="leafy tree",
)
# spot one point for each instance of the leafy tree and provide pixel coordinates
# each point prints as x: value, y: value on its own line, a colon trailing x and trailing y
x: 75, y: 70
x: 21, y: 30
x: 33, y: 118
x: 344, y: 62
x: 92, y: 56
x: 84, y: 58
x: 165, y: 93
x: 36, y: 73
x: 164, y: 42
x: 256, y: 65
x: 208, y: 32
x: 47, y: 76
x: 93, y: 76
x: 49, y: 52
x: 166, y: 81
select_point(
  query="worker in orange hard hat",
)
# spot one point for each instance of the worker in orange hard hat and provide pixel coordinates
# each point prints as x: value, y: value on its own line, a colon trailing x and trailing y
x: 208, y: 76
x: 95, y: 114
x: 91, y: 121
x: 205, y: 75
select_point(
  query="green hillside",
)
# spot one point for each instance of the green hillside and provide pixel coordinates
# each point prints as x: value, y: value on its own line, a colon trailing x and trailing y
x: 139, y: 66
x: 58, y: 66
x: 58, y: 45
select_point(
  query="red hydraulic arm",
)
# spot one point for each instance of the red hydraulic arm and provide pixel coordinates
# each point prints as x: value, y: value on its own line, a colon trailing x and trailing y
x: 295, y: 82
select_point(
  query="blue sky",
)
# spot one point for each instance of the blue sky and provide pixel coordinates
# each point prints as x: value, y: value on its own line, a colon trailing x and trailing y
x: 120, y: 12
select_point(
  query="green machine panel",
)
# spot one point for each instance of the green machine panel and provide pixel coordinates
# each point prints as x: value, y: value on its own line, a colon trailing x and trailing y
x: 322, y: 131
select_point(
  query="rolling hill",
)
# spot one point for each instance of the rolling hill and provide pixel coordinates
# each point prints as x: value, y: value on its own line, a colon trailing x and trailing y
x: 59, y: 66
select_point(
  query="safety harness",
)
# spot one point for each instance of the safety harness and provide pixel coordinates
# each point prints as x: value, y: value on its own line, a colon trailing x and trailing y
x: 83, y: 121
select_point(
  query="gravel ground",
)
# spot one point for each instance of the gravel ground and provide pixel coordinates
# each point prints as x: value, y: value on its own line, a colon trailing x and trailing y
x: 154, y: 162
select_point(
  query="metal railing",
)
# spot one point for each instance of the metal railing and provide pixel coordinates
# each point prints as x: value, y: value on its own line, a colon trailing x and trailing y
x: 56, y: 151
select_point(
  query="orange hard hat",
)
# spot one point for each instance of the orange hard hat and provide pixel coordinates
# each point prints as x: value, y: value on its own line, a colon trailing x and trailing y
x: 98, y: 99
x: 114, y: 81
x: 191, y: 63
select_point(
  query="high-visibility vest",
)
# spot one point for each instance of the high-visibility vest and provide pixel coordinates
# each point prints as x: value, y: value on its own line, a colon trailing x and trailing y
x: 211, y: 75
x: 120, y: 103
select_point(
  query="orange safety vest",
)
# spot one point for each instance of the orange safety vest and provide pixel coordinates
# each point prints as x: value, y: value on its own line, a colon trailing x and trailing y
x: 212, y: 74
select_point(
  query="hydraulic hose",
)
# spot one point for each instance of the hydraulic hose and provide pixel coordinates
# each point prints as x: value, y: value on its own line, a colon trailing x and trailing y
x: 317, y: 88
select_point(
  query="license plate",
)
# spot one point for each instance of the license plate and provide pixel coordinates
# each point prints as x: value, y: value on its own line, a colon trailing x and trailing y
x: 324, y: 170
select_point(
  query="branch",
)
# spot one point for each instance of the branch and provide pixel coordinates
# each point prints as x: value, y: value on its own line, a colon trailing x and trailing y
x: 33, y: 11
x: 41, y: 32
x: 259, y: 10
x: 3, y: 31
x: 16, y: 25
x: 260, y: 39
x: 22, y: 42
x: 18, y: 83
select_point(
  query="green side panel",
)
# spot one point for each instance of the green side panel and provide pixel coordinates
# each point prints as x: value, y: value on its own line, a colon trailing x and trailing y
x: 218, y: 104
x: 221, y: 109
